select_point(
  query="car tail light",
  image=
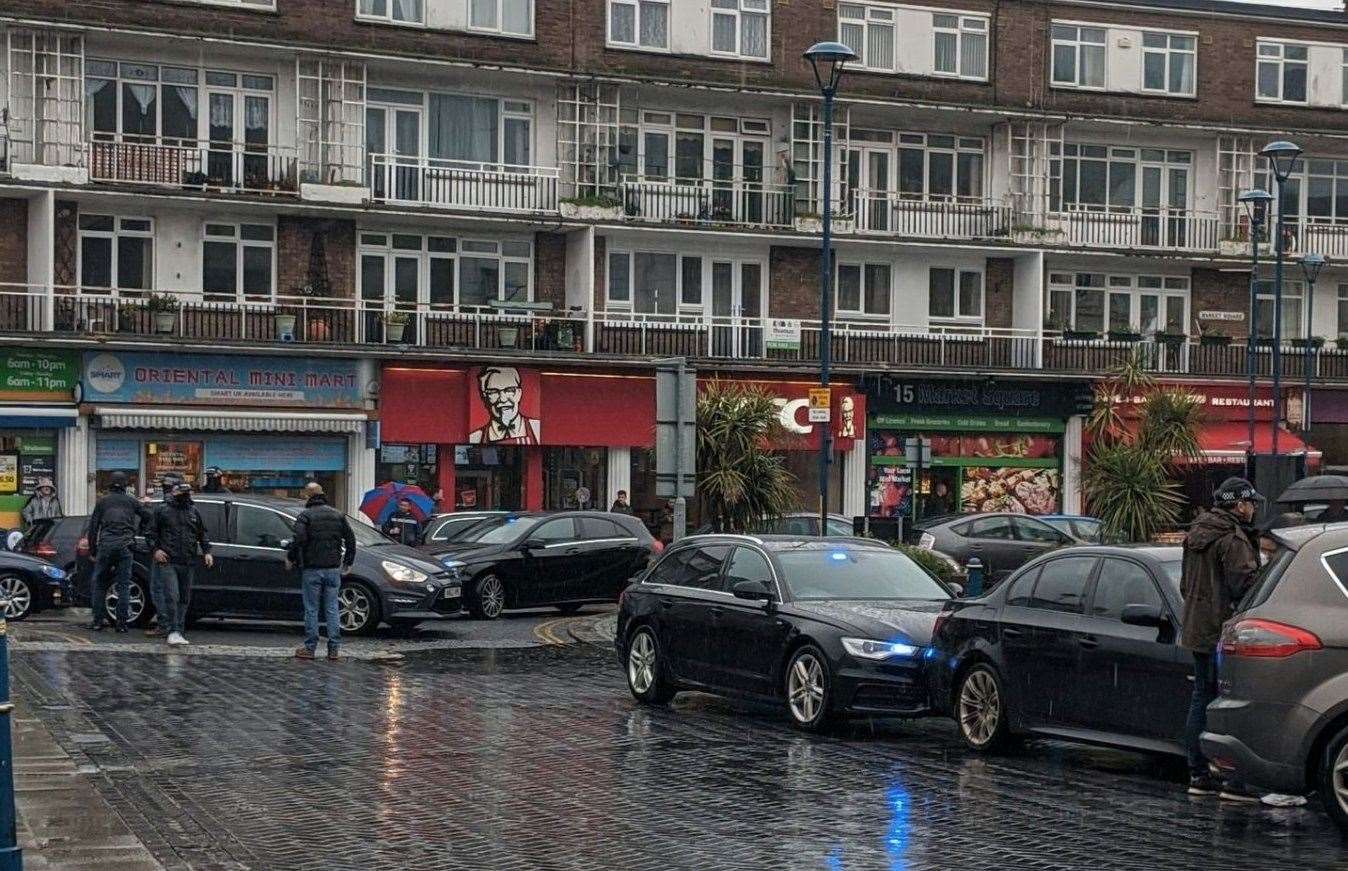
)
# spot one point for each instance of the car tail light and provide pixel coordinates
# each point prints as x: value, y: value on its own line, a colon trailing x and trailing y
x: 44, y: 549
x: 1265, y: 638
x: 82, y: 549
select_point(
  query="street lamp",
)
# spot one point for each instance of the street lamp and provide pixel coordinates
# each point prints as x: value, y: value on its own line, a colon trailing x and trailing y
x: 1256, y: 209
x: 1311, y: 265
x: 827, y: 60
x: 1282, y: 160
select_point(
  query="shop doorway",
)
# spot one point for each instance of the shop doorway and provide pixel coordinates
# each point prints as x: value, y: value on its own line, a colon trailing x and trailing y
x: 575, y: 478
x: 488, y: 478
x: 938, y: 493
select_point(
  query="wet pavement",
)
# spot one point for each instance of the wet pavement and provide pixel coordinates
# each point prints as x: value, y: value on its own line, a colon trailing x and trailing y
x: 538, y: 759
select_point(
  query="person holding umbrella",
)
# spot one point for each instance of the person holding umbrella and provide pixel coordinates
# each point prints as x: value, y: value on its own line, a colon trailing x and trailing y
x: 403, y: 524
x: 392, y: 497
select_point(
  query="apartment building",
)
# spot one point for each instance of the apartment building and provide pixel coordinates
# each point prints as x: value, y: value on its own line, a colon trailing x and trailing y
x: 240, y: 224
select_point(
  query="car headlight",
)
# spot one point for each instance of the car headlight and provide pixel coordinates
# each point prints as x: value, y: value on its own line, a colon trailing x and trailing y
x: 54, y: 572
x: 927, y: 541
x: 403, y: 574
x: 866, y: 648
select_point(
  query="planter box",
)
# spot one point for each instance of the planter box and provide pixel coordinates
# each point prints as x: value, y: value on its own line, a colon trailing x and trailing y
x: 165, y: 321
x: 345, y: 194
x: 1214, y: 341
x: 575, y: 212
x: 814, y: 226
x: 393, y: 331
x: 1233, y: 248
x: 1074, y: 336
x: 508, y: 337
x: 1124, y: 337
x: 285, y: 328
x: 1038, y: 236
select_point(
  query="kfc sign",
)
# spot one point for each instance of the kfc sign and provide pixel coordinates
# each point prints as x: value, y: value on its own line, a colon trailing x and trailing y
x: 793, y: 405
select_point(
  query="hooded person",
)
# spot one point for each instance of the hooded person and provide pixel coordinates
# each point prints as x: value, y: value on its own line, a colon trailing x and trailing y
x: 177, y: 541
x: 117, y: 519
x: 1221, y: 559
x: 44, y: 504
x: 167, y: 485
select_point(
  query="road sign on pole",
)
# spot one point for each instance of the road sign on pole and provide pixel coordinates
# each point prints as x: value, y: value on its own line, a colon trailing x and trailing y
x: 820, y: 401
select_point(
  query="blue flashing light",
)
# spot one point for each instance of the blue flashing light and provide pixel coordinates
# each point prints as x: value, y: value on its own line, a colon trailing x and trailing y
x: 839, y: 555
x: 931, y: 653
x: 898, y: 648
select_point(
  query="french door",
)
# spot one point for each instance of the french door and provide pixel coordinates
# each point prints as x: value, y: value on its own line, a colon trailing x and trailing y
x: 868, y: 182
x: 238, y: 137
x: 1164, y: 198
x: 737, y: 308
x: 393, y: 149
x: 738, y: 167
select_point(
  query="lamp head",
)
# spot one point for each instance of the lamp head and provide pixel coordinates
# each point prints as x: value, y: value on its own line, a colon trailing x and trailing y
x: 827, y: 60
x: 1256, y: 203
x: 1311, y: 265
x: 1282, y: 158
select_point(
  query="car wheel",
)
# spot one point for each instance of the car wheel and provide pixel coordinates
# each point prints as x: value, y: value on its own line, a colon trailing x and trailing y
x: 357, y: 609
x: 488, y: 599
x: 646, y: 669
x: 980, y: 709
x: 136, y: 612
x: 16, y: 597
x: 809, y: 693
x: 1334, y: 780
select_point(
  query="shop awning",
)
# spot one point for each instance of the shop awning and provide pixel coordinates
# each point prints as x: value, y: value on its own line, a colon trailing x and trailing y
x: 1228, y: 441
x: 230, y: 421
x: 37, y: 416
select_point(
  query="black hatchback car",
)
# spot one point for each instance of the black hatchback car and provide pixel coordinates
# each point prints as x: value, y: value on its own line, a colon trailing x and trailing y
x: 388, y: 583
x: 1080, y: 644
x: 824, y: 626
x: 531, y: 560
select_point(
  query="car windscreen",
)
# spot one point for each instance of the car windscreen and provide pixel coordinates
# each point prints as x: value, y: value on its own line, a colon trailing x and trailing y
x: 366, y: 535
x: 499, y: 530
x: 855, y: 573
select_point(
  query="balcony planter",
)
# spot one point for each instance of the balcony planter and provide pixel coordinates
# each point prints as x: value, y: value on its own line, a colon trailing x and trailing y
x: 318, y: 331
x: 1233, y: 247
x: 1029, y: 234
x: 1124, y: 336
x: 1080, y: 336
x: 285, y: 328
x: 591, y: 209
x: 1214, y: 341
x: 395, y: 324
x: 164, y: 307
x: 1171, y: 340
x: 508, y: 336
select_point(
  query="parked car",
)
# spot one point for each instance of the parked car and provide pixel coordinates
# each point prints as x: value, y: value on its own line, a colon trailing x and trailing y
x: 823, y: 626
x: 447, y: 527
x: 1281, y: 721
x: 537, y: 559
x: 60, y: 541
x: 29, y: 584
x: 795, y: 523
x: 1003, y: 542
x: 1088, y: 530
x: 1079, y: 644
x: 388, y: 582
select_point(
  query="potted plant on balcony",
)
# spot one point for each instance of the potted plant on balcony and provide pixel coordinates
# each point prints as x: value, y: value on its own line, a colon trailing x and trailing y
x: 1131, y: 335
x: 508, y: 335
x: 1316, y: 342
x: 164, y: 307
x: 1171, y: 340
x: 1209, y: 339
x: 395, y: 324
x: 1080, y: 335
x: 594, y: 207
x: 285, y: 326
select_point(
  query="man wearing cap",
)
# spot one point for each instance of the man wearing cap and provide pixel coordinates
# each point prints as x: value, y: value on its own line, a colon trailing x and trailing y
x: 177, y: 538
x: 113, y: 526
x: 215, y: 481
x: 43, y: 505
x: 1220, y: 562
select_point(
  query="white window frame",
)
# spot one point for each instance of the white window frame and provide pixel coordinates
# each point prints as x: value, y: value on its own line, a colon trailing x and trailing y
x: 496, y: 29
x: 872, y: 15
x: 387, y: 16
x: 1166, y: 54
x: 1342, y: 312
x: 240, y: 244
x: 959, y: 317
x: 1131, y: 155
x: 378, y: 242
x: 636, y: 6
x: 743, y: 8
x: 117, y: 232
x: 670, y: 124
x: 629, y: 305
x: 1344, y: 77
x: 1078, y: 46
x: 1291, y: 290
x: 965, y: 25
x: 1164, y: 287
x: 862, y: 271
x: 1277, y: 56
x: 257, y: 5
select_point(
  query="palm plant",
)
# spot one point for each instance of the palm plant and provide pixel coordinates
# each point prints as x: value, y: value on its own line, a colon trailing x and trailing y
x: 741, y: 482
x: 1130, y: 490
x: 1169, y: 424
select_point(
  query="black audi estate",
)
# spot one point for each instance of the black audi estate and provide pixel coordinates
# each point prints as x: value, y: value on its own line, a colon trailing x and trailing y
x: 827, y: 627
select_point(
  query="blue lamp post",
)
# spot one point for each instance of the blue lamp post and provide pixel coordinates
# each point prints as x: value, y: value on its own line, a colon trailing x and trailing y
x: 1311, y: 265
x: 1282, y: 161
x: 1256, y: 204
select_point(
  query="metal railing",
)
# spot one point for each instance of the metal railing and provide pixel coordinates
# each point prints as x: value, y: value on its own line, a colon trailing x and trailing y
x: 707, y: 202
x: 1158, y: 228
x: 457, y: 184
x: 184, y: 164
x: 925, y: 218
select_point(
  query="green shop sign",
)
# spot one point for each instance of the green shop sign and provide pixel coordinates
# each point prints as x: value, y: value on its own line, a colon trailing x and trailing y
x: 34, y: 375
x: 966, y: 423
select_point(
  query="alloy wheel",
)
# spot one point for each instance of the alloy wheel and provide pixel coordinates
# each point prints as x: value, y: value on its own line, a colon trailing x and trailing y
x: 641, y: 663
x: 353, y: 608
x: 491, y: 596
x: 15, y: 597
x: 980, y: 707
x: 805, y: 688
x: 135, y: 602
x: 1339, y: 778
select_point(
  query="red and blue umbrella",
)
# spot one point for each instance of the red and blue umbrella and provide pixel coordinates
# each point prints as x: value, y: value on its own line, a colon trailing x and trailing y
x: 380, y: 503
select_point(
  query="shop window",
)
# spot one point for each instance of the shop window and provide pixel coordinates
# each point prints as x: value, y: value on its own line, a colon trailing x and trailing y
x: 488, y: 477
x: 506, y: 17
x: 956, y: 295
x: 575, y: 478
x: 638, y: 24
x: 238, y: 262
x: 260, y: 527
x: 409, y: 464
x: 116, y: 253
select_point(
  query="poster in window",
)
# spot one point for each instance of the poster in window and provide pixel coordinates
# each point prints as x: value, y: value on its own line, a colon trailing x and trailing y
x: 1024, y: 491
x: 33, y: 468
x: 9, y: 473
x: 891, y: 491
x: 182, y: 458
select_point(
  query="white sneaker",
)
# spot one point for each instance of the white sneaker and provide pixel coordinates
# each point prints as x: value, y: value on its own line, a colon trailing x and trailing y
x: 176, y: 639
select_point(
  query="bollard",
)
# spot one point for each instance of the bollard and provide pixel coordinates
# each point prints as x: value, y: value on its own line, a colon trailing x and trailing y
x: 11, y: 855
x: 973, y: 579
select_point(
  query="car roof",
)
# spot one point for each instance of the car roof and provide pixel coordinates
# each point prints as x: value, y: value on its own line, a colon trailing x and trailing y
x: 787, y: 542
x: 1297, y: 537
x: 1066, y: 517
x: 1155, y: 552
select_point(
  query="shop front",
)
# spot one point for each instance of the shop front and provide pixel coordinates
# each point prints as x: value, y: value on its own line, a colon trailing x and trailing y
x: 505, y: 437
x: 939, y: 447
x: 37, y: 419
x: 270, y: 424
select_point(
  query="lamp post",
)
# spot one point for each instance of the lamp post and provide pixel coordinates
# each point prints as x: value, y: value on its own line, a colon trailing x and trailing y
x: 827, y: 60
x: 1282, y: 160
x: 1256, y: 208
x: 1311, y: 265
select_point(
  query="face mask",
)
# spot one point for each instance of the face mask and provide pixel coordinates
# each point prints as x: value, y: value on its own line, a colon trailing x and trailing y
x: 182, y: 500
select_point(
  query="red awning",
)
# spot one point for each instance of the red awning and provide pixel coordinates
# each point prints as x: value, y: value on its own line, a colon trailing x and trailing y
x: 1228, y: 441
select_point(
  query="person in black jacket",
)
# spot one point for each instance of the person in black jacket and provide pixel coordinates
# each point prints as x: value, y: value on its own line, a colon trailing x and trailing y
x: 113, y: 527
x: 177, y: 536
x: 402, y: 525
x: 324, y: 548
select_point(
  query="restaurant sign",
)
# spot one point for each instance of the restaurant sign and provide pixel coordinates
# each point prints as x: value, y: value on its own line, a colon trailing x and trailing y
x: 898, y: 394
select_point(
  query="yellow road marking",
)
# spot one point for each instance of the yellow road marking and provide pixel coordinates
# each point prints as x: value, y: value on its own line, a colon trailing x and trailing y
x: 544, y: 631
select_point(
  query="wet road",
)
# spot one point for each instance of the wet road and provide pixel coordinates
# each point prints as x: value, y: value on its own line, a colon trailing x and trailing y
x: 538, y: 759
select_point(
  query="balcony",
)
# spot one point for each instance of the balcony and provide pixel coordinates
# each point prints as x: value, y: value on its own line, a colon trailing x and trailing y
x: 887, y: 212
x: 707, y: 202
x: 230, y: 167
x: 1159, y: 229
x: 446, y: 184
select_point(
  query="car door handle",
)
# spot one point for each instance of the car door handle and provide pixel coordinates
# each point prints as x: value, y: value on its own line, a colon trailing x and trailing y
x: 1012, y: 633
x: 666, y: 604
x: 717, y: 611
x: 572, y: 551
x: 1088, y: 642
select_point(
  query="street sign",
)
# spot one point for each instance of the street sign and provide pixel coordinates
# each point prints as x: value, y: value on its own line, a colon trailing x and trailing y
x: 917, y: 451
x: 821, y: 399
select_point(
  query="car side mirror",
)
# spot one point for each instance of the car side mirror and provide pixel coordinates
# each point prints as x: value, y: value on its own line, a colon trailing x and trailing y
x: 1143, y: 615
x: 285, y: 544
x: 754, y: 591
x: 533, y: 544
x: 956, y: 590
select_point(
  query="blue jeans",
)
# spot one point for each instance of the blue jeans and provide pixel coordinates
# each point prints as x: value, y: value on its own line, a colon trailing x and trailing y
x: 176, y: 594
x: 157, y: 593
x: 320, y: 586
x: 114, y: 561
x: 1205, y: 690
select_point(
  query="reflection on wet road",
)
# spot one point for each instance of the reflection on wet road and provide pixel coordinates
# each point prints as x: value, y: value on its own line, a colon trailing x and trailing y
x: 539, y: 759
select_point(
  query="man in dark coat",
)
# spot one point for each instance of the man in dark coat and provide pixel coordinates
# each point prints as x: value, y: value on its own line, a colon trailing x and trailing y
x: 1220, y: 563
x: 177, y: 539
x: 620, y: 504
x: 324, y: 547
x: 117, y: 519
x: 402, y: 525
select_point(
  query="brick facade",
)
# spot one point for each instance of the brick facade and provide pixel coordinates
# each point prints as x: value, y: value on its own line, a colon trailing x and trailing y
x: 793, y: 282
x: 999, y: 281
x: 294, y: 246
x: 13, y: 243
x: 600, y: 271
x: 550, y: 269
x: 1215, y: 290
x: 66, y: 239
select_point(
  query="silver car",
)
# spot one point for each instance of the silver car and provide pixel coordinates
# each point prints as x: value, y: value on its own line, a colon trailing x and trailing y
x: 1280, y: 722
